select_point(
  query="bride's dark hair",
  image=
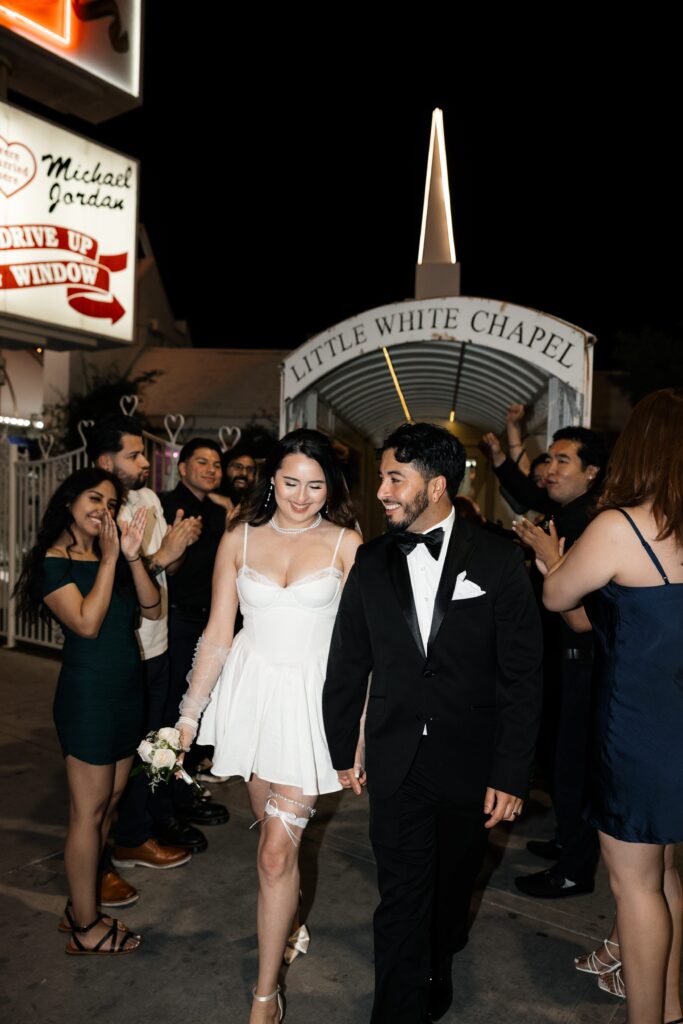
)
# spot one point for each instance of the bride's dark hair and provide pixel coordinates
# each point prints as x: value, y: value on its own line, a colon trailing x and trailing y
x: 260, y: 505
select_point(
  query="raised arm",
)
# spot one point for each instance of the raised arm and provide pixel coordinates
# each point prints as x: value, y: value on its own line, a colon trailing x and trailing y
x: 170, y: 556
x: 513, y: 425
x: 149, y: 598
x: 85, y: 615
x: 214, y: 644
x: 522, y: 488
x: 588, y: 565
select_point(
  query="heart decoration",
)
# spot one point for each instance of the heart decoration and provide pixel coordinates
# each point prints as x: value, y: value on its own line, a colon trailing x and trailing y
x: 82, y: 426
x: 129, y: 404
x: 22, y: 162
x: 45, y: 442
x: 174, y: 424
x: 228, y: 437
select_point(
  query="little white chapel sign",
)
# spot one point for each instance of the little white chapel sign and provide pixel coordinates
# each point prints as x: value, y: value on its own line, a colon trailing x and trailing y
x: 553, y: 345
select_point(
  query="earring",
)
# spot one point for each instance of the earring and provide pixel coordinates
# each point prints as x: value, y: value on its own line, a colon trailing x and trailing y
x: 270, y: 493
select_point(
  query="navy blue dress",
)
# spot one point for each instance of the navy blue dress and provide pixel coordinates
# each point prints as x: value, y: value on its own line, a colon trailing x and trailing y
x: 638, y: 755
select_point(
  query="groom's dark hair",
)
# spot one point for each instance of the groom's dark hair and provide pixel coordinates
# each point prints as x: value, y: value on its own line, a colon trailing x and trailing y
x: 431, y: 449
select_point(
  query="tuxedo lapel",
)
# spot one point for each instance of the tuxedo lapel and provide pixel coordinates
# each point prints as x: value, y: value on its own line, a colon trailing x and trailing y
x: 459, y: 548
x: 400, y: 578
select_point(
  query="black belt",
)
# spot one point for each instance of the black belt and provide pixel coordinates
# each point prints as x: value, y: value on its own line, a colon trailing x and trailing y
x: 195, y: 613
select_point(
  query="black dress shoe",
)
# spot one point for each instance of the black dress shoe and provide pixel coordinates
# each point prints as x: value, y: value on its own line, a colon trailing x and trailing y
x: 550, y: 884
x: 545, y: 848
x: 204, y: 812
x: 172, y: 832
x: 440, y: 987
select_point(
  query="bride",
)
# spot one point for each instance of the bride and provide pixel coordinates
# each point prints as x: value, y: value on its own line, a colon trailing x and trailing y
x: 284, y: 559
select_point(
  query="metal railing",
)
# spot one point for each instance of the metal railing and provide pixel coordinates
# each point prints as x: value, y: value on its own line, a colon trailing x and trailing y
x: 26, y: 486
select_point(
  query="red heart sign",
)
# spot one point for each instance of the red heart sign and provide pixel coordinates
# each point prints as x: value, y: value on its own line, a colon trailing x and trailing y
x: 17, y: 167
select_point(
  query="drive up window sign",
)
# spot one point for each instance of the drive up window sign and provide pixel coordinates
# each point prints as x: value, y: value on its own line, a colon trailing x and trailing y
x: 68, y: 218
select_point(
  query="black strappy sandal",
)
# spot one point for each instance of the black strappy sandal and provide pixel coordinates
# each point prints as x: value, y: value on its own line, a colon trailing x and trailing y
x: 117, y: 941
x: 65, y: 929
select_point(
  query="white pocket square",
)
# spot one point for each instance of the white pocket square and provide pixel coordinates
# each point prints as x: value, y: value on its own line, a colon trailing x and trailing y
x: 465, y: 588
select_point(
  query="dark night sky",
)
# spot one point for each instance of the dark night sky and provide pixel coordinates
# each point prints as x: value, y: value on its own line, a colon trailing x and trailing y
x: 282, y: 185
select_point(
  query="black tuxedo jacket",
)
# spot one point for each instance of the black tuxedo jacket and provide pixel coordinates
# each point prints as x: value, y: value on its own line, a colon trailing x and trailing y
x: 477, y: 687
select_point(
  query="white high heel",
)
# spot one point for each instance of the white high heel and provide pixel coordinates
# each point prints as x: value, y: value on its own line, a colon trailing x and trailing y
x: 277, y: 994
x: 613, y: 982
x: 590, y: 963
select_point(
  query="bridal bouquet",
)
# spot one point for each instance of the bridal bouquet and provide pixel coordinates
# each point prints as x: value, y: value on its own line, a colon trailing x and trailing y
x: 159, y: 755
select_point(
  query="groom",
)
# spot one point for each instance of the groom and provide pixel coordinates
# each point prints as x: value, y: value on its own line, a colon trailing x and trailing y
x: 442, y: 614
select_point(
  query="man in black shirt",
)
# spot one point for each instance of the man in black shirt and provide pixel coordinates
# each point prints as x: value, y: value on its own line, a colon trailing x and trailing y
x: 199, y: 467
x: 574, y: 472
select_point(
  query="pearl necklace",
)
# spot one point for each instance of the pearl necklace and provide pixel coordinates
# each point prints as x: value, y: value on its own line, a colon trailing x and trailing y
x: 297, y: 529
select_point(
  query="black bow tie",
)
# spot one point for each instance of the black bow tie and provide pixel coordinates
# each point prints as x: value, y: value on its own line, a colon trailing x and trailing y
x: 433, y: 540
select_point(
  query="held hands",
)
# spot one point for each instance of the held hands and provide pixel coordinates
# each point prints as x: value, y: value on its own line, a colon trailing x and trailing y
x: 501, y: 806
x: 546, y: 546
x: 132, y: 534
x: 353, y: 778
x: 109, y: 538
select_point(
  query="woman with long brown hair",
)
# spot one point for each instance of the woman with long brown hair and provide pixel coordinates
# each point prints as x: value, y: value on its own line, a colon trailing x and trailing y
x: 92, y: 580
x: 627, y: 568
x: 285, y: 559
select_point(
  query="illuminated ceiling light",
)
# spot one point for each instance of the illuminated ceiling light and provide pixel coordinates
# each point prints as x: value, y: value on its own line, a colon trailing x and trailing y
x: 437, y: 141
x: 392, y: 371
x: 64, y: 37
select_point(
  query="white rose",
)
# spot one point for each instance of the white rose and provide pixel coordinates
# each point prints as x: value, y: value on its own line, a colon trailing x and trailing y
x: 163, y: 758
x: 172, y: 736
x: 145, y: 751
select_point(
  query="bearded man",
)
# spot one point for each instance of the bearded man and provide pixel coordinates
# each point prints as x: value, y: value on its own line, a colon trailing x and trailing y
x: 442, y: 614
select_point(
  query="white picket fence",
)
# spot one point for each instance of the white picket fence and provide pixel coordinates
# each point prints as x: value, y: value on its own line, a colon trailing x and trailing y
x: 26, y: 486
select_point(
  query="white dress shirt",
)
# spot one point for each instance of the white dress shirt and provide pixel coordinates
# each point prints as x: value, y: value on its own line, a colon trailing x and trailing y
x: 153, y: 633
x: 425, y: 575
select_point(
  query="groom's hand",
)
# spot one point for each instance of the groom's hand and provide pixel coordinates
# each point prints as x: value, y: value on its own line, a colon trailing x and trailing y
x: 352, y: 778
x: 501, y: 806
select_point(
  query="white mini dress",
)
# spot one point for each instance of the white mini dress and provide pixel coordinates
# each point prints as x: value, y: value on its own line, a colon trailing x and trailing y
x: 265, y: 712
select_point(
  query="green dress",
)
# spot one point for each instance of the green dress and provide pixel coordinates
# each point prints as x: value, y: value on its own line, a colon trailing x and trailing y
x: 99, y: 703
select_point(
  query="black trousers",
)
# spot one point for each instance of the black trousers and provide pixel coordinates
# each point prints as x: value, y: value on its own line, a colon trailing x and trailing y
x: 429, y: 851
x: 183, y: 633
x: 571, y: 777
x: 139, y: 807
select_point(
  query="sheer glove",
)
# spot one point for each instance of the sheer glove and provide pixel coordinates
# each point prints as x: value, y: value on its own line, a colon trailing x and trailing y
x: 208, y: 661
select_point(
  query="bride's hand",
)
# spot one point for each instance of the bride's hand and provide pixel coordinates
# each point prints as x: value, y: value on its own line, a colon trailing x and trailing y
x: 351, y: 778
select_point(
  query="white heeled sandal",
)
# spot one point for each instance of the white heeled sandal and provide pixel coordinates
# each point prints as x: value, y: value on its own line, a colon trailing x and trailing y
x: 613, y: 982
x: 590, y: 963
x: 277, y: 994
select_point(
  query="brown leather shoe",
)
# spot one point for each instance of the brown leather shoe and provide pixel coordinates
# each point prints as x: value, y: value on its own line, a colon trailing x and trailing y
x: 114, y: 891
x: 150, y: 854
